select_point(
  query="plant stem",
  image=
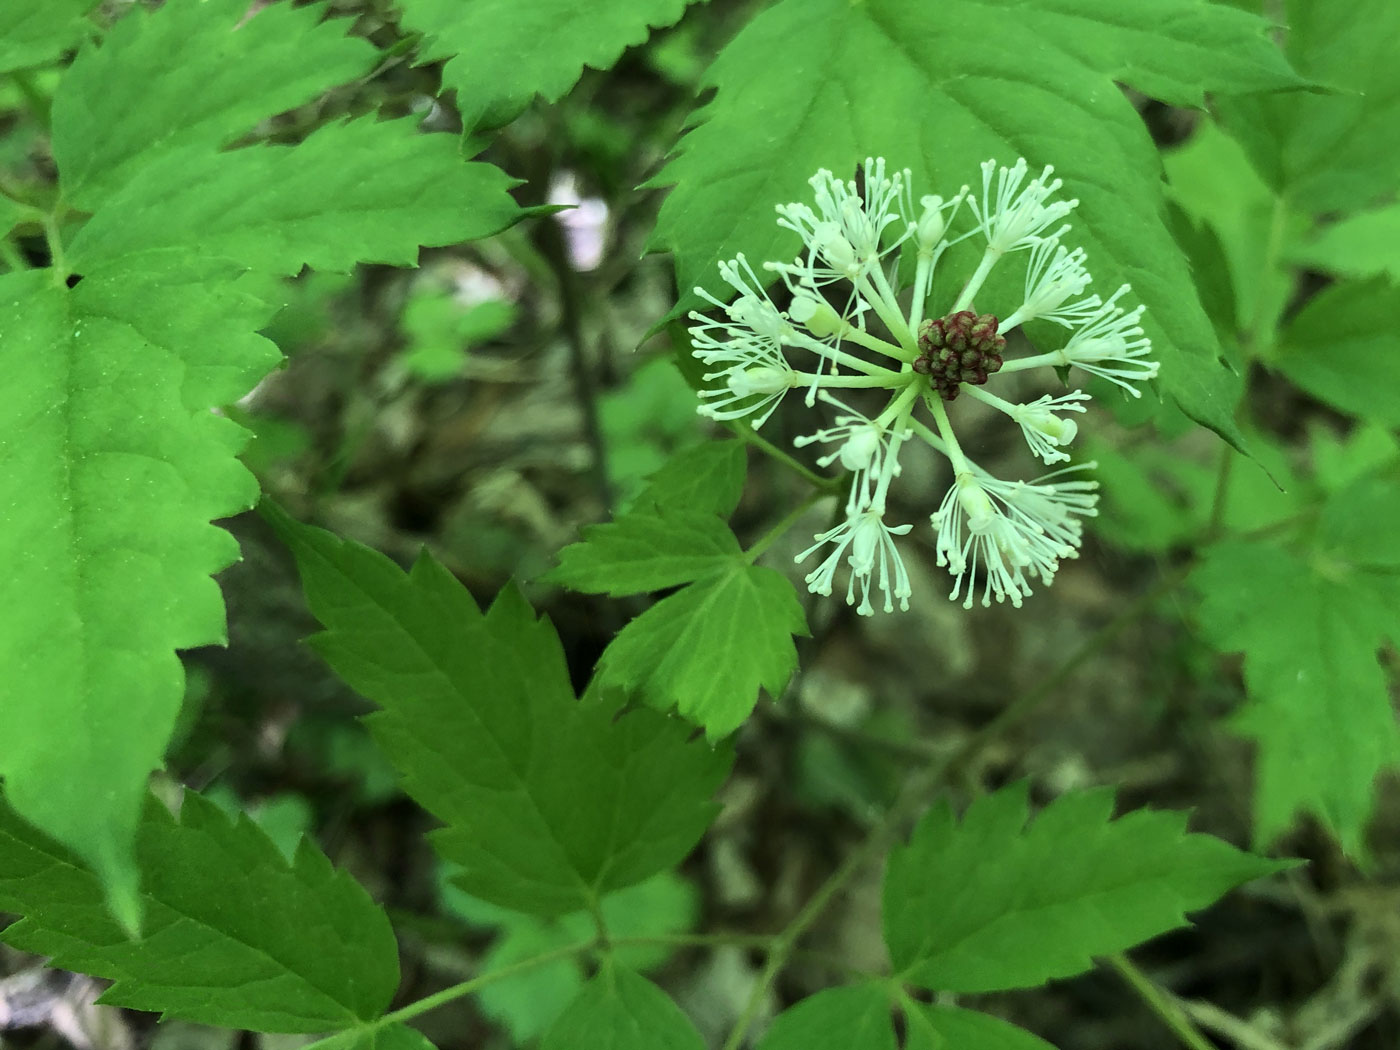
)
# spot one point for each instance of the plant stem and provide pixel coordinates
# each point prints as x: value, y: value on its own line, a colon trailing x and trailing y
x: 766, y: 540
x: 1161, y: 1004
x: 761, y: 443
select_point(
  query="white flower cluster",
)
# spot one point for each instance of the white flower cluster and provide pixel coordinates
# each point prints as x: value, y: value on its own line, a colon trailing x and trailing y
x: 845, y: 313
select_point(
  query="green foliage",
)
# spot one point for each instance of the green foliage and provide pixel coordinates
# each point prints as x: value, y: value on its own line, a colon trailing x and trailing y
x: 286, y: 946
x: 114, y: 465
x: 618, y: 1010
x: 1329, y: 151
x: 856, y: 1017
x: 1363, y: 244
x: 1341, y: 349
x: 1055, y: 103
x: 951, y: 1028
x: 126, y: 104
x: 548, y: 802
x: 993, y: 902
x: 32, y: 34
x: 708, y: 648
x: 1310, y: 625
x: 502, y: 54
x: 528, y: 1002
x: 113, y: 469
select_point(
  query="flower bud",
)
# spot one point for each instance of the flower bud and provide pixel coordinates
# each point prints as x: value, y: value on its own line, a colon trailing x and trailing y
x: 816, y: 315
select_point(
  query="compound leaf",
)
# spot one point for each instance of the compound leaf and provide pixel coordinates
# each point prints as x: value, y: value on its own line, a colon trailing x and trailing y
x: 953, y: 1028
x: 548, y: 802
x: 708, y: 477
x: 644, y: 551
x: 358, y: 191
x: 854, y: 1017
x: 114, y: 467
x: 707, y: 649
x: 1329, y: 151
x: 620, y: 1010
x: 993, y: 902
x: 1319, y: 704
x: 286, y: 946
x: 123, y: 104
x: 32, y: 34
x: 1341, y: 348
x: 903, y: 81
x: 503, y: 54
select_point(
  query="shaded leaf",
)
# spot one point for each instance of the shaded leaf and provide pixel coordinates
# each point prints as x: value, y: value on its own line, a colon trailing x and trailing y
x: 707, y: 649
x: 618, y: 1010
x: 287, y: 946
x: 998, y: 900
x: 548, y: 802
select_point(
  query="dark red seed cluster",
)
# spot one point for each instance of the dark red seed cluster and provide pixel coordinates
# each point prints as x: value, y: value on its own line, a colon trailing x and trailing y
x: 961, y: 348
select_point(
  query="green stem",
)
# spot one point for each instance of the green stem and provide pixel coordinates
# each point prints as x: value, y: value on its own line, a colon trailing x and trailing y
x: 60, y: 266
x: 887, y: 379
x: 766, y: 540
x: 761, y: 443
x: 1161, y: 1004
x: 874, y: 342
x: 974, y: 283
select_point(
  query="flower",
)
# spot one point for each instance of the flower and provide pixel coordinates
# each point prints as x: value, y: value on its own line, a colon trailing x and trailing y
x: 1044, y: 431
x: 1016, y: 531
x: 874, y: 557
x: 1014, y: 220
x: 860, y: 309
x: 1111, y: 344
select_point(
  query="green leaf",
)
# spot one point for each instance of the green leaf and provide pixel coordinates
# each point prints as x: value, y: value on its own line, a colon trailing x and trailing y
x: 191, y: 73
x: 993, y: 902
x: 707, y: 649
x: 1213, y: 180
x: 1334, y: 151
x: 1319, y: 704
x: 643, y: 552
x: 548, y: 802
x: 358, y: 191
x: 855, y: 1017
x: 708, y: 477
x: 503, y: 54
x: 1366, y: 244
x: 527, y: 1003
x: 114, y: 467
x: 903, y: 81
x: 32, y: 34
x: 953, y: 1028
x: 1342, y: 347
x: 283, y: 947
x: 618, y: 1010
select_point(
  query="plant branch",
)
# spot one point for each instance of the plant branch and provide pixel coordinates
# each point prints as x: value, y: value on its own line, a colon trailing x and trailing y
x: 1161, y: 1003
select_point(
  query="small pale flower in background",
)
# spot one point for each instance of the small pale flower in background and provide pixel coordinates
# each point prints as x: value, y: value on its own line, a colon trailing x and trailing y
x: 850, y: 323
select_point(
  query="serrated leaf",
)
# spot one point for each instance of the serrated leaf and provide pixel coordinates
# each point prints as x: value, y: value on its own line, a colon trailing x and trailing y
x: 994, y: 901
x: 854, y: 1017
x: 619, y: 1010
x: 502, y: 54
x: 1329, y: 151
x: 548, y: 802
x: 114, y: 467
x: 953, y: 1028
x: 1342, y: 347
x: 123, y: 104
x: 1319, y: 703
x: 284, y: 947
x: 644, y: 551
x: 773, y: 123
x: 34, y: 33
x: 359, y: 191
x: 707, y: 649
x: 1366, y: 244
x: 708, y: 477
